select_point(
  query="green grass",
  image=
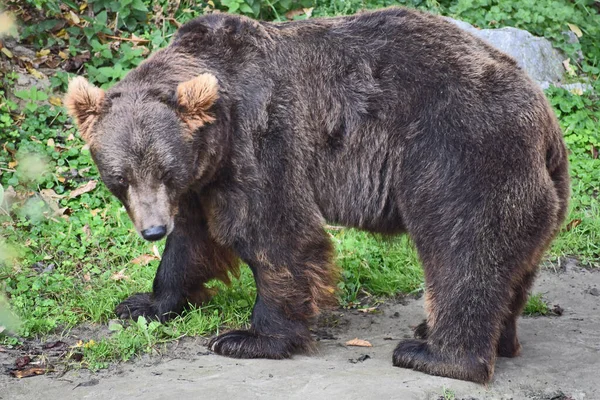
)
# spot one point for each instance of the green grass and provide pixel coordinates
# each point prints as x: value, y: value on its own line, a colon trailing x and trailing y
x: 67, y: 261
x: 536, y: 306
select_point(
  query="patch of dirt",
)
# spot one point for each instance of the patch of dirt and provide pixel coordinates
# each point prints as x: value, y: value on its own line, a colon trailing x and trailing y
x: 560, y: 360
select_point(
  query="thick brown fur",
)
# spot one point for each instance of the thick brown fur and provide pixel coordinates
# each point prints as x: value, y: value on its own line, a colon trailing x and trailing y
x: 242, y: 138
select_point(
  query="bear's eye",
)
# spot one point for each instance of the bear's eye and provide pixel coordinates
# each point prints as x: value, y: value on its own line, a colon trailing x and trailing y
x: 121, y: 180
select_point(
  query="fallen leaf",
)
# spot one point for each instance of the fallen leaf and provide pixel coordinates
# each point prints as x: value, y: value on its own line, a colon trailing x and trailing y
x: 144, y: 259
x: 50, y: 194
x: 88, y: 187
x: 569, y: 68
x: 24, y: 373
x: 55, y: 101
x: 308, y: 11
x: 358, y: 342
x: 63, y: 55
x: 95, y: 211
x: 575, y: 29
x: 50, y: 143
x: 155, y: 251
x: 71, y: 137
x: 13, y: 164
x: 87, y: 231
x: 63, y: 34
x: 36, y: 74
x: 51, y: 198
x: 572, y: 225
x: 7, y: 52
x: 42, y: 53
x: 74, y: 17
x: 294, y: 13
x: 119, y: 276
x: 87, y: 277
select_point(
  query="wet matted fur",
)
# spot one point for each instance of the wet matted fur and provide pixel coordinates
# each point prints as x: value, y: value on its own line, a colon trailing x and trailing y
x: 241, y: 138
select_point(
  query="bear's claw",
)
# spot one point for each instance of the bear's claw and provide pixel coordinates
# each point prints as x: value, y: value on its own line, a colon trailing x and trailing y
x: 139, y: 305
x: 247, y: 344
x: 416, y: 354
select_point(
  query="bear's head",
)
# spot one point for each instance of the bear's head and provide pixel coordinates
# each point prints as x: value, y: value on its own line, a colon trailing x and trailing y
x: 145, y: 143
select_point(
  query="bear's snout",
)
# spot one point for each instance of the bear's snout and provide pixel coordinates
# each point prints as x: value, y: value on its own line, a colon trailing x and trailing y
x: 154, y: 232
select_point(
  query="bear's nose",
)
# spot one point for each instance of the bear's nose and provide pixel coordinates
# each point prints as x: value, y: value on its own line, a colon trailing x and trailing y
x: 154, y: 232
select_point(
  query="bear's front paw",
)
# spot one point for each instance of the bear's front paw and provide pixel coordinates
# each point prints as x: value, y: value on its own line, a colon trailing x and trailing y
x: 140, y: 305
x: 416, y: 354
x: 246, y: 344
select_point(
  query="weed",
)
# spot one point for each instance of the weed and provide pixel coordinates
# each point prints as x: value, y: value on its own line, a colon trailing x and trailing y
x: 536, y: 306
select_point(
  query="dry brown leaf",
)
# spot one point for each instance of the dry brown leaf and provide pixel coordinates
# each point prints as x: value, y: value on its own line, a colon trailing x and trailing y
x: 119, y: 276
x: 50, y: 194
x: 573, y: 224
x: 87, y: 277
x: 42, y: 53
x: 88, y: 187
x: 144, y: 259
x: 36, y: 74
x: 74, y: 17
x: 13, y: 164
x: 155, y: 251
x: 63, y: 55
x: 7, y: 52
x: 358, y: 342
x: 575, y: 29
x: 294, y: 13
x: 88, y: 232
x: 50, y: 143
x: 55, y: 101
x: 24, y: 373
x: 51, y: 198
x: 71, y: 137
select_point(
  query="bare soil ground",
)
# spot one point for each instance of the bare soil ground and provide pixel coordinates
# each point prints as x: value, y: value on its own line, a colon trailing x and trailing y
x: 560, y: 361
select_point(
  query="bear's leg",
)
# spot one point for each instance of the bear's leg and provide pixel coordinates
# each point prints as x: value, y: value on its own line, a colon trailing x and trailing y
x: 508, y: 344
x: 191, y: 258
x: 292, y: 284
x: 471, y: 261
x: 463, y: 326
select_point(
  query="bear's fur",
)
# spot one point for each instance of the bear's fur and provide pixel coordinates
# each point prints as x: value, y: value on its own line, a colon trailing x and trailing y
x: 241, y: 138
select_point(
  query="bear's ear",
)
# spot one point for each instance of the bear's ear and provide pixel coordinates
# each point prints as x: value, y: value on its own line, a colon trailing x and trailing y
x: 195, y: 97
x: 84, y: 102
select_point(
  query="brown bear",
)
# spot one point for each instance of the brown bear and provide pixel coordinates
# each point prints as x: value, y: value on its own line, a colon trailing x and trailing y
x: 241, y: 138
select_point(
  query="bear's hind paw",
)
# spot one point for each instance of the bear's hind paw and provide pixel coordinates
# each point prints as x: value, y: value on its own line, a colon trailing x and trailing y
x: 416, y: 354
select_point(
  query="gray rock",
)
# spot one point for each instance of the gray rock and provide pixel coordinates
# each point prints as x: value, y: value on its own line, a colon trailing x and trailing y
x: 535, y: 55
x: 21, y: 51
